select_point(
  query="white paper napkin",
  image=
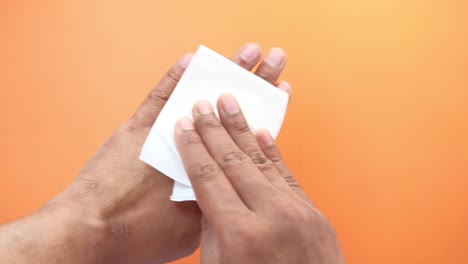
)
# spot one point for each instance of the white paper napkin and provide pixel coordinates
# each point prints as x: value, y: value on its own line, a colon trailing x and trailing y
x: 208, y: 76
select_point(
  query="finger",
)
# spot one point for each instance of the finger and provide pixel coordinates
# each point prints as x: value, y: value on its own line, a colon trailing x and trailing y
x: 271, y: 151
x: 234, y: 122
x: 248, y: 56
x: 247, y: 179
x: 272, y: 66
x: 285, y: 86
x: 215, y: 194
x: 148, y: 111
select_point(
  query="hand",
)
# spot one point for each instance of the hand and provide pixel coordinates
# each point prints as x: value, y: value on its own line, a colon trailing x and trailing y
x: 118, y: 208
x: 254, y: 210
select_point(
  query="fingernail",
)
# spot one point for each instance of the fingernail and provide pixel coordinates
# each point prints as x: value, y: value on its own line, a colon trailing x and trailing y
x: 275, y: 57
x: 229, y: 104
x: 185, y: 124
x: 203, y: 107
x: 250, y: 53
x: 185, y: 60
x: 284, y: 86
x: 265, y: 138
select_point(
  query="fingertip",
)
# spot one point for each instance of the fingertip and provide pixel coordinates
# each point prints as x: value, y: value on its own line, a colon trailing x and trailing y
x: 265, y: 138
x: 228, y: 104
x: 250, y: 53
x: 202, y: 107
x: 284, y: 86
x: 276, y: 57
x: 184, y: 124
x: 185, y: 60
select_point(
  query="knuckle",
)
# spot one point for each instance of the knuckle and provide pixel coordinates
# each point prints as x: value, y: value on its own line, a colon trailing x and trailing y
x: 233, y: 159
x: 266, y: 73
x: 274, y: 154
x: 131, y: 127
x: 243, y: 230
x: 247, y: 236
x: 190, y: 138
x: 290, y: 180
x: 297, y: 215
x: 239, y: 127
x: 158, y: 97
x: 209, y: 122
x: 140, y: 121
x: 205, y: 172
x: 236, y: 222
x: 173, y: 75
x: 120, y: 136
x: 283, y: 169
x: 257, y: 156
x: 325, y: 229
x: 266, y: 167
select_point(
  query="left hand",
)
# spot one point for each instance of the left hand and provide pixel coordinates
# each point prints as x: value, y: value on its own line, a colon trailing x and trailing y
x: 118, y: 208
x: 125, y: 201
x: 130, y: 197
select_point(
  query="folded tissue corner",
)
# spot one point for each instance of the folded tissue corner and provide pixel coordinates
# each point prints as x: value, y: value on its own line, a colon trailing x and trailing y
x: 208, y: 76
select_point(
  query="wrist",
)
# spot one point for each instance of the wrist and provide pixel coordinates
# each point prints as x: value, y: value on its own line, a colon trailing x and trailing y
x: 71, y: 234
x: 132, y: 229
x: 53, y: 234
x: 99, y: 231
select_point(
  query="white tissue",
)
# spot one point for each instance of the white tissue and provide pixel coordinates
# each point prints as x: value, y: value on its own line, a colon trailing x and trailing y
x: 208, y: 76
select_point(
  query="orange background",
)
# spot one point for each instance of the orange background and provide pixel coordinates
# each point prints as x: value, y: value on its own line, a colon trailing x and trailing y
x: 377, y: 130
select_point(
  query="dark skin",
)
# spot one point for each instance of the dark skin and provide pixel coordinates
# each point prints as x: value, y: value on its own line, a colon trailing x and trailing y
x: 117, y: 209
x: 254, y: 210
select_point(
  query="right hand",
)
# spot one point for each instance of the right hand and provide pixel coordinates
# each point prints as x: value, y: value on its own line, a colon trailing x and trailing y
x: 255, y: 211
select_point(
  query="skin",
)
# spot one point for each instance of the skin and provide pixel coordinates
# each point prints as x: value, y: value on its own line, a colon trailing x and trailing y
x: 254, y: 210
x: 117, y: 210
